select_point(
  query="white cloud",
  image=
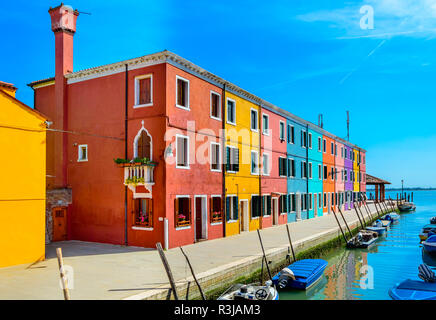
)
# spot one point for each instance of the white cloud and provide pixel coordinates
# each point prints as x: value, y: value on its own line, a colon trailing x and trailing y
x: 411, y: 18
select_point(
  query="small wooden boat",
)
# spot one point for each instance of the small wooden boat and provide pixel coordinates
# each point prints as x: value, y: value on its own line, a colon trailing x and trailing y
x: 416, y: 289
x: 430, y: 244
x: 427, y: 231
x: 378, y: 227
x: 363, y: 239
x: 392, y: 217
x: 251, y: 292
x: 407, y: 207
x: 301, y: 274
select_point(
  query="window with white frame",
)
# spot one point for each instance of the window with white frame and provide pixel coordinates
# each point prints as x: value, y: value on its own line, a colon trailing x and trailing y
x: 254, y: 120
x: 310, y: 202
x: 319, y: 172
x: 324, y: 145
x: 325, y: 173
x: 332, y: 148
x: 310, y: 141
x: 342, y: 152
x: 319, y: 144
x: 310, y: 170
x: 143, y: 91
x: 291, y: 134
x: 182, y: 151
x: 291, y: 168
x: 303, y: 139
x: 256, y: 206
x: 215, y: 105
x: 254, y: 162
x: 182, y: 93
x: 82, y: 153
x: 265, y: 124
x: 265, y: 164
x: 231, y: 111
x: 232, y: 208
x: 320, y: 200
x: 336, y: 149
x: 215, y: 156
x: 304, y: 169
x: 232, y: 159
x: 292, y: 202
x: 282, y: 167
x: 346, y: 174
x: 332, y: 173
x: 282, y: 130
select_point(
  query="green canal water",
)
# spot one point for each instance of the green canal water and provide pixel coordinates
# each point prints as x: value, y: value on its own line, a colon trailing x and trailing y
x: 393, y: 258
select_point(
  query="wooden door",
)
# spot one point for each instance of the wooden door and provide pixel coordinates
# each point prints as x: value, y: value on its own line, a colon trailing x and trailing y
x: 59, y: 224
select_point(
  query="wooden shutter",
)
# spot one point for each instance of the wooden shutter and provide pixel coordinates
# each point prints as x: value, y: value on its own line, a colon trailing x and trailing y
x: 227, y: 208
x: 189, y: 210
x: 176, y: 212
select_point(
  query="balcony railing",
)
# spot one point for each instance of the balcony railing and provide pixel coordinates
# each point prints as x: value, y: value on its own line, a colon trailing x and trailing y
x: 141, y: 173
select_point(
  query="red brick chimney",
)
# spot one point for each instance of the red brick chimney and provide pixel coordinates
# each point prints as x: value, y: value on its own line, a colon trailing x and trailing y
x: 63, y: 24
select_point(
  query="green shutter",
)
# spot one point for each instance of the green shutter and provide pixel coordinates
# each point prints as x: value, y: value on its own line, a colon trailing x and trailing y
x: 263, y: 206
x: 280, y: 166
x: 227, y: 208
x: 228, y: 159
x: 268, y: 204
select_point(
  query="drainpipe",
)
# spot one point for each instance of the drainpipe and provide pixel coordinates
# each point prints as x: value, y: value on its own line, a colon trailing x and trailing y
x: 125, y: 151
x: 224, y: 156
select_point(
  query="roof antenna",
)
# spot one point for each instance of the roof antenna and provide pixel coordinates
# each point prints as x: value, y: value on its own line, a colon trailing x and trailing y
x: 84, y: 12
x: 348, y: 125
x: 320, y: 123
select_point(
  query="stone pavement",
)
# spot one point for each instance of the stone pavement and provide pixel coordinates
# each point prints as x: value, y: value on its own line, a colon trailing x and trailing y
x: 103, y: 271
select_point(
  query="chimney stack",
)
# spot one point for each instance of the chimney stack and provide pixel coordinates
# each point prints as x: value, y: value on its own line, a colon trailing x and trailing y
x: 63, y: 25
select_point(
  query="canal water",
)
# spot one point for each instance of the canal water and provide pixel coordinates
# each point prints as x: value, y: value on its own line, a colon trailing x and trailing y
x: 393, y: 258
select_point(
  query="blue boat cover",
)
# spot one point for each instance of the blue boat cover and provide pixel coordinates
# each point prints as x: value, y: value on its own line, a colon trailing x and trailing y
x: 305, y: 268
x: 417, y: 285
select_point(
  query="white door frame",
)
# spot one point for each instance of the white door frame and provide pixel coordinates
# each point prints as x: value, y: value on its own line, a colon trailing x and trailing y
x: 276, y: 214
x: 244, y: 219
x: 203, y: 216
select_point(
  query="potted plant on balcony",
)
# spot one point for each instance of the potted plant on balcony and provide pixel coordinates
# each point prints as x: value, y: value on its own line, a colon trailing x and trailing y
x: 121, y: 162
x: 134, y: 181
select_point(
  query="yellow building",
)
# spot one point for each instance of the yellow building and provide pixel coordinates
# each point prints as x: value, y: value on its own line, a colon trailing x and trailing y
x: 356, y: 183
x: 22, y: 182
x: 241, y: 180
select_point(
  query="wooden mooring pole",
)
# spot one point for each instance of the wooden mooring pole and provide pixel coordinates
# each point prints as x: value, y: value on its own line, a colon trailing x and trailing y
x: 62, y: 274
x: 363, y: 218
x: 264, y: 256
x: 167, y: 269
x: 340, y: 227
x: 203, y: 297
x: 343, y: 218
x: 290, y: 242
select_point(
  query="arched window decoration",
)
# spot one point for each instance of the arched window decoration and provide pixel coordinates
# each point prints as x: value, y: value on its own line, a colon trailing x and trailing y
x: 143, y: 144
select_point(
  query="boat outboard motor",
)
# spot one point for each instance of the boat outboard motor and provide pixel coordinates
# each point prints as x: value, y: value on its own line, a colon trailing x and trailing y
x: 285, y: 275
x: 426, y: 274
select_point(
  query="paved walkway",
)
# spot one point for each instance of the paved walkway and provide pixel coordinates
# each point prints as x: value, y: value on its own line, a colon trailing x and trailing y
x: 103, y: 271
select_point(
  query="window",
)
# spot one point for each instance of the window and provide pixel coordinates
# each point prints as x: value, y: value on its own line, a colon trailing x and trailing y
x: 231, y: 111
x: 83, y: 153
x: 346, y: 174
x: 143, y: 91
x: 255, y: 206
x: 143, y: 145
x: 303, y: 169
x: 310, y: 170
x: 143, y: 212
x: 310, y: 141
x: 182, y: 152
x: 320, y: 172
x: 265, y: 124
x: 345, y: 154
x: 254, y: 120
x: 254, y: 162
x: 232, y: 208
x: 325, y: 173
x: 232, y: 159
x: 319, y: 144
x: 342, y: 174
x: 182, y: 93
x: 182, y: 209
x: 303, y: 202
x: 325, y: 200
x: 283, y: 203
x: 215, y: 156
x: 351, y: 155
x: 266, y: 205
x: 291, y: 134
x: 336, y: 149
x: 332, y: 173
x: 292, y: 202
x: 332, y: 148
x: 303, y: 139
x: 282, y: 130
x: 216, y: 214
x: 342, y: 152
x: 291, y: 168
x: 324, y: 145
x: 266, y: 168
x: 215, y: 105
x: 282, y: 167
x: 320, y: 200
x: 310, y: 202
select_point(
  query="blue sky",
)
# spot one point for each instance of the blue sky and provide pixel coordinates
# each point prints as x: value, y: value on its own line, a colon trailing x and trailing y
x: 308, y: 57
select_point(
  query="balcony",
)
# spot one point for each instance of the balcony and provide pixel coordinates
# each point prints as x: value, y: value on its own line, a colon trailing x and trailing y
x: 139, y: 179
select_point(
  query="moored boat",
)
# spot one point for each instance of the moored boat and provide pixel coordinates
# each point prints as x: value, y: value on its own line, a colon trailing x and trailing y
x: 301, y: 274
x: 416, y: 289
x: 427, y: 231
x: 251, y: 292
x: 391, y: 217
x: 363, y: 239
x: 407, y: 207
x: 430, y: 244
x: 378, y: 227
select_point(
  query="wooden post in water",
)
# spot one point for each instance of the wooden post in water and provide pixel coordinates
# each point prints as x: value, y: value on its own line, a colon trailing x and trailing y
x: 290, y: 242
x: 167, y: 269
x: 62, y: 274
x: 340, y: 227
x: 412, y: 196
x: 363, y: 218
x: 360, y: 220
x: 368, y: 212
x: 264, y: 256
x: 203, y: 297
x: 343, y: 218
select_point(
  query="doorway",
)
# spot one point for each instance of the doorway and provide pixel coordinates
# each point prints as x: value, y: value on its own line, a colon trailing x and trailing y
x: 244, y: 215
x: 275, y: 211
x: 59, y: 215
x: 200, y: 218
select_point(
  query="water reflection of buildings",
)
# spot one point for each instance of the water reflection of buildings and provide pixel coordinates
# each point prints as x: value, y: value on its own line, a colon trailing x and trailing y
x: 343, y: 274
